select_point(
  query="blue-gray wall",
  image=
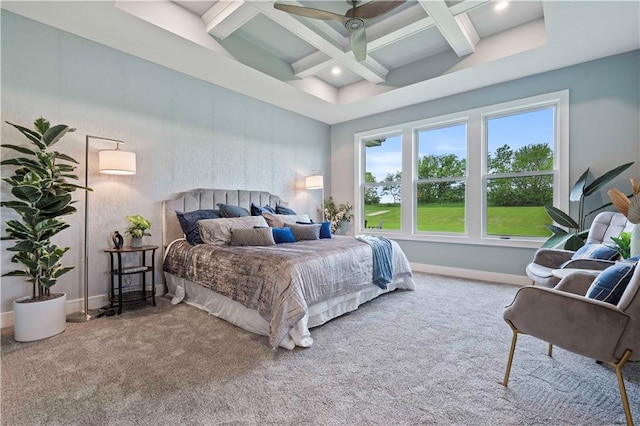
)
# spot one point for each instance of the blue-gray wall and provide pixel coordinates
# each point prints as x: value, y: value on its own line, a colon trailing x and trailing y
x: 186, y: 133
x: 604, y: 132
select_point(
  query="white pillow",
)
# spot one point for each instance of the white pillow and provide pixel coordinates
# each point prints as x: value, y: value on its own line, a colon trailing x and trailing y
x: 279, y: 220
x: 218, y: 231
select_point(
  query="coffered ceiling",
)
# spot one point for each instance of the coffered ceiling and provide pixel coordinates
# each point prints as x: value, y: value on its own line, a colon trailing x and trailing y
x: 420, y: 50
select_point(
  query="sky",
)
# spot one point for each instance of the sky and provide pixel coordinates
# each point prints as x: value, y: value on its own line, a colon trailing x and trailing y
x: 514, y: 130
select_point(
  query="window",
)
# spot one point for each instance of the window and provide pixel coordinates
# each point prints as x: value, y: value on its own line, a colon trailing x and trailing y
x: 480, y: 176
x: 382, y: 191
x: 442, y: 176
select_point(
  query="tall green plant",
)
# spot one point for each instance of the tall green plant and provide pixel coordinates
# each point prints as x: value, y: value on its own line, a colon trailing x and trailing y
x: 574, y: 239
x: 42, y: 195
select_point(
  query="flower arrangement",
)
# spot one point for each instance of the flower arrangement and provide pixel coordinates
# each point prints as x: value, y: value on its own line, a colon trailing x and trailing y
x: 628, y: 206
x: 337, y: 214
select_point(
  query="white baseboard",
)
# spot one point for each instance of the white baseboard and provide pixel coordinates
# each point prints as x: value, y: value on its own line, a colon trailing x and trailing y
x: 496, y: 277
x: 77, y: 305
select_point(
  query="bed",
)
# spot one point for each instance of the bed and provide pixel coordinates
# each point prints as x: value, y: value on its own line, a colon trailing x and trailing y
x: 280, y: 290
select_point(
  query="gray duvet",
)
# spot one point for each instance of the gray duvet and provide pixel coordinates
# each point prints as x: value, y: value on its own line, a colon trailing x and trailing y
x: 281, y: 281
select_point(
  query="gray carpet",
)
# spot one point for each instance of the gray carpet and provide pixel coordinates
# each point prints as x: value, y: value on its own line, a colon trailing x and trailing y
x: 433, y: 356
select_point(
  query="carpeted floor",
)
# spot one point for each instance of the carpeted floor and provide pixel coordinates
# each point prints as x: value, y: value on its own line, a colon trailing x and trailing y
x: 433, y: 356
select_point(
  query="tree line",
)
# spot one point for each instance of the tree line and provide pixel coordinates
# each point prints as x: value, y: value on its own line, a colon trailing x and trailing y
x: 508, y: 191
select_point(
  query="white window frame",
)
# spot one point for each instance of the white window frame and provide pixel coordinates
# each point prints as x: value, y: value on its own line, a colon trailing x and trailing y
x: 476, y: 169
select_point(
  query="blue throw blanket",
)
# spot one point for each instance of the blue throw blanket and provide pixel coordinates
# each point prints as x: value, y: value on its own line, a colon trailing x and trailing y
x: 382, y: 259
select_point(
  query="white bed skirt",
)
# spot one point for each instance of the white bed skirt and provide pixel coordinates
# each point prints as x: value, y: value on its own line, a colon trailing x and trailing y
x: 183, y: 290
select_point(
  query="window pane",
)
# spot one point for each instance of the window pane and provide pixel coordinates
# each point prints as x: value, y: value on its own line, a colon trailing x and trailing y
x: 442, y: 154
x: 383, y: 165
x: 441, y: 207
x: 379, y: 213
x: 515, y: 206
x: 521, y: 142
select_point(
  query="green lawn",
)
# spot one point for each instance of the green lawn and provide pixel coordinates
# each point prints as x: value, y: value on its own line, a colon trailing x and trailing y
x: 509, y: 221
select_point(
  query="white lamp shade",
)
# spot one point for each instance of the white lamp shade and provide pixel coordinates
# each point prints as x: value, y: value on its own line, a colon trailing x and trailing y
x: 116, y: 162
x: 314, y: 182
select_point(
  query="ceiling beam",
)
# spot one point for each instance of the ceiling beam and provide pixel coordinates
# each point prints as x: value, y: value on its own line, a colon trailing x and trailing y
x: 458, y: 32
x: 225, y: 17
x: 370, y: 71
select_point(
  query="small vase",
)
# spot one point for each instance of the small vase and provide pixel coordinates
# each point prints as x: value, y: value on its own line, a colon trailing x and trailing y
x: 136, y: 242
x: 635, y: 240
x: 117, y: 240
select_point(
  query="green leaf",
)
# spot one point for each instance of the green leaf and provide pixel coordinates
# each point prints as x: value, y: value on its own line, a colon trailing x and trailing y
x: 65, y: 157
x: 561, y: 217
x: 41, y: 124
x: 555, y: 230
x: 31, y: 165
x: 605, y: 178
x: 577, y: 192
x: 53, y: 204
x: 55, y: 133
x: 23, y: 246
x: 20, y: 149
x: 15, y: 274
x: 29, y: 193
x: 30, y: 134
x: 61, y: 271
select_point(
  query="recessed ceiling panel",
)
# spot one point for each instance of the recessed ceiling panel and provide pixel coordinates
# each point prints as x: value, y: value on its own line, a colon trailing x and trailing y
x: 197, y: 7
x: 418, y: 46
x: 344, y: 78
x: 271, y: 37
x: 488, y: 21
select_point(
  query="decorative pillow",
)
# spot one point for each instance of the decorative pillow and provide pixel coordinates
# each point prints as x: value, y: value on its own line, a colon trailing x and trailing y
x: 284, y: 210
x: 218, y: 231
x: 228, y: 210
x: 283, y: 235
x: 305, y: 232
x: 325, y: 230
x: 596, y: 251
x: 189, y: 223
x: 257, y: 210
x: 612, y: 282
x: 252, y: 236
x: 280, y: 220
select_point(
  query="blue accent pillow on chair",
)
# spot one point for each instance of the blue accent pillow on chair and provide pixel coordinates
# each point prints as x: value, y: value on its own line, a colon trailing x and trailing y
x: 612, y: 282
x: 283, y: 235
x: 284, y: 210
x: 596, y: 251
x: 189, y: 223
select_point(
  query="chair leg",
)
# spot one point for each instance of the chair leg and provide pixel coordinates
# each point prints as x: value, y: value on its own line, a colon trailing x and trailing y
x: 623, y: 391
x: 550, y: 350
x: 514, y: 340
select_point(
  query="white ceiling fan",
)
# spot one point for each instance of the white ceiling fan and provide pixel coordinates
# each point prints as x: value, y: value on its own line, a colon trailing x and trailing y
x: 354, y: 20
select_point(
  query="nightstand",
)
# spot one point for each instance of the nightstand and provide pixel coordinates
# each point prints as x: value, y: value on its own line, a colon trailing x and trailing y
x: 118, y: 295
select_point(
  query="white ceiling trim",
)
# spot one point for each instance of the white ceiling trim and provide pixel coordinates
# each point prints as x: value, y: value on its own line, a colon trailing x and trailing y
x: 225, y: 17
x: 460, y: 40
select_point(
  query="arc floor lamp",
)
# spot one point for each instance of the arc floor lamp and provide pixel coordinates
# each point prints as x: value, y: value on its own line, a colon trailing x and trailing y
x: 110, y: 161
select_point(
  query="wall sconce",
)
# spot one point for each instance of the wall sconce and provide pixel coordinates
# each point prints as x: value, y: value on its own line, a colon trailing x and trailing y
x: 110, y: 161
x: 316, y: 181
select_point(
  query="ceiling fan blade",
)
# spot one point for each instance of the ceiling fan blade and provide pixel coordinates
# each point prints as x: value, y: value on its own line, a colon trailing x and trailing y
x: 358, y: 40
x: 374, y: 8
x: 308, y: 12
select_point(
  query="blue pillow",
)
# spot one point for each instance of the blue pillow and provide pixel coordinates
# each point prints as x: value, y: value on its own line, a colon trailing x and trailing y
x: 596, y: 251
x: 284, y: 210
x: 612, y: 282
x: 325, y: 230
x: 257, y: 210
x: 227, y: 210
x: 189, y: 223
x: 283, y: 235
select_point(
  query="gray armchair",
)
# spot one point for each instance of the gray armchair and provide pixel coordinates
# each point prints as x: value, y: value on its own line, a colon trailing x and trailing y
x: 605, y: 225
x: 564, y: 317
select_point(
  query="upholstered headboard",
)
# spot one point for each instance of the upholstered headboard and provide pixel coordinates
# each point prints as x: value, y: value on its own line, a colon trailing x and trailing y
x: 198, y: 199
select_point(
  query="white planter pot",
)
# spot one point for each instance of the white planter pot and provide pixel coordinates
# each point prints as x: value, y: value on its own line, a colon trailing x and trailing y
x: 39, y: 320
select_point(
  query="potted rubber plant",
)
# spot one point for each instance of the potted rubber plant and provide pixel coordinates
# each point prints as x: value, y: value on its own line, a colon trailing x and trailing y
x: 137, y: 229
x: 41, y: 188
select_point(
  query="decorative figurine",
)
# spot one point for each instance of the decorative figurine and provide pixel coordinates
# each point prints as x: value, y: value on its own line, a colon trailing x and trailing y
x: 118, y: 241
